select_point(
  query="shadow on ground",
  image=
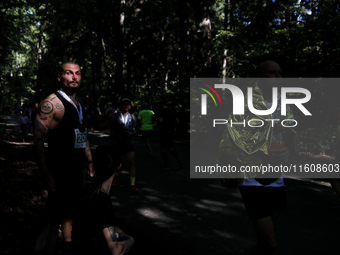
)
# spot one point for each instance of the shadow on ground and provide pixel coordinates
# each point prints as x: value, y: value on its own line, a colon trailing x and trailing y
x: 172, y: 214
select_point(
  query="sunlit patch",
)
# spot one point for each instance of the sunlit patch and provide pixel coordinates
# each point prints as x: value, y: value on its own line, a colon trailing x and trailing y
x: 114, y: 201
x: 216, y: 203
x: 154, y: 214
x: 153, y: 198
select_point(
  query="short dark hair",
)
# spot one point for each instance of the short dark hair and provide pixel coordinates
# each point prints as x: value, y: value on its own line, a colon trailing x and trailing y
x: 61, y: 68
x: 145, y: 105
x: 260, y: 67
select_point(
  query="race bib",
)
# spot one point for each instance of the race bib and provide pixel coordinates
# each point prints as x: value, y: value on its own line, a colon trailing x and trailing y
x: 81, y: 138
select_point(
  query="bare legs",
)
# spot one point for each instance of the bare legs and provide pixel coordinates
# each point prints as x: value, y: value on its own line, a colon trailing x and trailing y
x: 66, y: 227
x: 265, y: 229
x: 130, y: 157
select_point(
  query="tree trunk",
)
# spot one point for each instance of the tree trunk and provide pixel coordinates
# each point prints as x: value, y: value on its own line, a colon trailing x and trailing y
x: 224, y: 67
x: 183, y: 53
x: 119, y: 55
x: 38, y: 95
x: 129, y: 58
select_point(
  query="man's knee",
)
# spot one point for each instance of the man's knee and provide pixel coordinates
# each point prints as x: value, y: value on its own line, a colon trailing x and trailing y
x: 131, y: 165
x: 270, y: 245
x: 266, y: 234
x: 130, y: 158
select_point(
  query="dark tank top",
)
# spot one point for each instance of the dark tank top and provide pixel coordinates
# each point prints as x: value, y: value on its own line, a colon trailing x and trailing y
x: 61, y: 140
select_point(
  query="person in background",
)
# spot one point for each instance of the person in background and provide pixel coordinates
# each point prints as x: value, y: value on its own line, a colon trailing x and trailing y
x: 24, y: 122
x: 109, y: 111
x: 8, y: 109
x: 264, y: 198
x: 146, y: 118
x: 34, y: 115
x: 123, y: 127
x: 16, y: 109
x: 167, y: 122
x: 29, y: 114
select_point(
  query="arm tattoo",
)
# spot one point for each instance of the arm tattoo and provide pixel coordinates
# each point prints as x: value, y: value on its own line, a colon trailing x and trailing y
x: 46, y: 107
x: 113, y: 233
x: 121, y: 235
x: 59, y: 106
x: 40, y: 127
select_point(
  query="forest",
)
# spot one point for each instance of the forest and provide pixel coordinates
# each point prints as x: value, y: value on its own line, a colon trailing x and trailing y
x: 148, y: 50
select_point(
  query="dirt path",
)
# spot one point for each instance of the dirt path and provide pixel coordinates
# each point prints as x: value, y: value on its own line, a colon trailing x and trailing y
x: 172, y: 214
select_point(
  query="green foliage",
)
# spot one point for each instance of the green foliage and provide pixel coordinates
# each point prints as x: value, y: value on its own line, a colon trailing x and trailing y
x: 148, y: 50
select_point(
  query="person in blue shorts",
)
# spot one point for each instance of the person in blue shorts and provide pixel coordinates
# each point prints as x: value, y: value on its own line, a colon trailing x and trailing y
x: 264, y: 198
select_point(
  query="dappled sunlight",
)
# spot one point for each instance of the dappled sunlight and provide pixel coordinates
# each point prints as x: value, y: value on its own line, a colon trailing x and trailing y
x: 153, y: 198
x: 232, y: 236
x: 224, y: 234
x: 114, y: 201
x: 324, y: 183
x: 227, y: 209
x: 154, y: 214
x: 124, y: 172
x: 206, y: 207
x: 99, y: 134
x: 173, y: 208
x: 170, y: 207
x: 18, y: 143
x: 215, y: 203
x: 146, y: 189
x: 12, y: 124
x: 217, y: 186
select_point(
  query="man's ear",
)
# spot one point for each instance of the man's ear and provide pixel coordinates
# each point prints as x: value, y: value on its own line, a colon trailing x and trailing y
x: 58, y: 77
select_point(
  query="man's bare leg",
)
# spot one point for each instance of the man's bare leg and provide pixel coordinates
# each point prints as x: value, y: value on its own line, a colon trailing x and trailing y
x: 335, y: 186
x: 265, y: 229
x: 66, y: 227
x: 130, y: 157
x: 147, y: 144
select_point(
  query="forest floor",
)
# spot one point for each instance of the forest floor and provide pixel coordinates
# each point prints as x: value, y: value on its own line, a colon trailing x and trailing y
x: 172, y: 214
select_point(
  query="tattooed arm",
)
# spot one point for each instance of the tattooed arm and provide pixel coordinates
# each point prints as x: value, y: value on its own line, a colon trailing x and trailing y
x: 49, y: 114
x: 118, y: 241
x: 115, y: 248
x: 124, y: 239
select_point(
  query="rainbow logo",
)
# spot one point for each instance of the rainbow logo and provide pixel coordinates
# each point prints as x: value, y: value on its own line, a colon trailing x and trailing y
x: 204, y: 97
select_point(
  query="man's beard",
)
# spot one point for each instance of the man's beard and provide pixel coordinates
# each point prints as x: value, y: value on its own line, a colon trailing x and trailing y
x: 70, y: 91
